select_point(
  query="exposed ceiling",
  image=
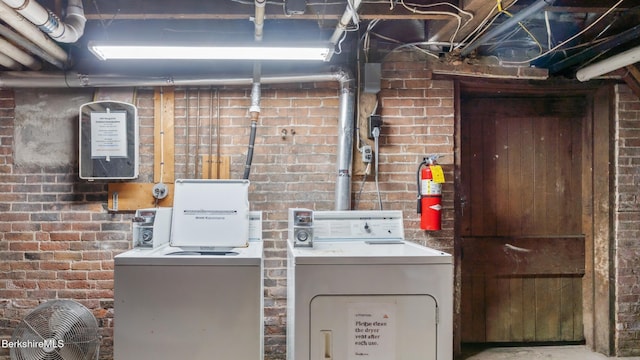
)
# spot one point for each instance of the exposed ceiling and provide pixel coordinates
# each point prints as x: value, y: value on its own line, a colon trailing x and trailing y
x: 563, y: 37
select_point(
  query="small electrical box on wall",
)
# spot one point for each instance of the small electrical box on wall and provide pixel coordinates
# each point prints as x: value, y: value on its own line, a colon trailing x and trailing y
x: 108, y: 140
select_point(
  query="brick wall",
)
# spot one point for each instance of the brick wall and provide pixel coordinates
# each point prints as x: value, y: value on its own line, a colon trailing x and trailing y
x: 58, y: 240
x: 627, y: 217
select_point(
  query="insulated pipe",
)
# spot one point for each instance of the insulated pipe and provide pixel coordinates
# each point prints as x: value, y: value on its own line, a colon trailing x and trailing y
x: 18, y: 55
x: 32, y: 33
x: 8, y: 62
x: 507, y: 25
x: 68, y: 32
x: 258, y: 21
x: 610, y: 64
x: 21, y: 79
x: 29, y: 46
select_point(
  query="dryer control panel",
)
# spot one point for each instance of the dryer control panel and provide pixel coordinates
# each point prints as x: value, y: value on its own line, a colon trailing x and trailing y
x: 374, y: 226
x: 301, y: 227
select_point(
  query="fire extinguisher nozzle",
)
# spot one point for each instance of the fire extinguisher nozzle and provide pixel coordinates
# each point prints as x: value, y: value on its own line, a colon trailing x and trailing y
x: 419, y: 208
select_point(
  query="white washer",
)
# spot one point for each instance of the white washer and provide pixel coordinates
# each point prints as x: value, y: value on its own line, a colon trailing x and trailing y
x: 202, y: 299
x: 364, y: 293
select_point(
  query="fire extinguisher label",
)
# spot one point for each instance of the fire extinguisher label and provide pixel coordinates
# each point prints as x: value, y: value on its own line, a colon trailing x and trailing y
x: 430, y: 187
x: 436, y: 207
x: 437, y: 173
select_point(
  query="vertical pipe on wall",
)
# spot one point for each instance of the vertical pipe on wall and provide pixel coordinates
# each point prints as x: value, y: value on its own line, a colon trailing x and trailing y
x: 345, y: 143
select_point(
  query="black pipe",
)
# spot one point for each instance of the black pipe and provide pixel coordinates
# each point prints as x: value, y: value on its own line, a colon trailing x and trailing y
x: 252, y: 140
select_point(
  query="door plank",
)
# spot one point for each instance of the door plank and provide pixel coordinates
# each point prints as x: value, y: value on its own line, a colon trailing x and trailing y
x: 528, y: 161
x: 547, y: 305
x: 503, y: 216
x: 551, y: 194
x: 529, y: 304
x: 498, y: 306
x: 578, y: 324
x: 566, y: 309
x: 476, y: 177
x: 516, y: 309
x: 516, y: 204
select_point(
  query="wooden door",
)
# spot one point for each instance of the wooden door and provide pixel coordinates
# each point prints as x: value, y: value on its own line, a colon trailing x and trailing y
x: 522, y: 242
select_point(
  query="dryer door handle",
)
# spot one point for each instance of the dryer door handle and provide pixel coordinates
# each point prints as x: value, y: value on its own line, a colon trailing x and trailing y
x: 327, y: 348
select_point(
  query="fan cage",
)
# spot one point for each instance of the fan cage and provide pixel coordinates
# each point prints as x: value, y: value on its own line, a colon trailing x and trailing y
x: 57, y: 330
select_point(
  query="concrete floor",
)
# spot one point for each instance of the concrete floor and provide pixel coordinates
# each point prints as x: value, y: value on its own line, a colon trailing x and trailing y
x: 573, y: 352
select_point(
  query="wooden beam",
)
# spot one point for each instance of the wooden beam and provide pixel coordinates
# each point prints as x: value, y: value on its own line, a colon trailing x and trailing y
x: 134, y: 196
x: 487, y: 71
x: 163, y: 136
x: 632, y: 79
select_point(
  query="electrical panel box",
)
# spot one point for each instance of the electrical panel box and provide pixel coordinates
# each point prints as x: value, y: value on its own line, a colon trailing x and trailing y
x: 371, y: 77
x: 108, y: 140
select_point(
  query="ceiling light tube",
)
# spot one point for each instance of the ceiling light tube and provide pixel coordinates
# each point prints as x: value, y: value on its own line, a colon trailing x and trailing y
x: 610, y: 64
x: 261, y: 51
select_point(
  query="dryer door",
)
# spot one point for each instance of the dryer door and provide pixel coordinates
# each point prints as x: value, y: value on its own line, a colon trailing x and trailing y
x: 373, y: 327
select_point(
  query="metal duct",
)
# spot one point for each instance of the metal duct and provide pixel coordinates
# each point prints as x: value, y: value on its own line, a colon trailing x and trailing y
x: 68, y: 32
x: 345, y: 146
x: 21, y: 79
x: 507, y: 25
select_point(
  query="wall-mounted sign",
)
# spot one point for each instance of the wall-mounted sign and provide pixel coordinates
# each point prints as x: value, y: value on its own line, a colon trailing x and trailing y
x: 108, y: 140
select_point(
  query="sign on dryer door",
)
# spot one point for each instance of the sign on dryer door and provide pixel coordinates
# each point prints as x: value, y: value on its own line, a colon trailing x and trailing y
x: 372, y: 331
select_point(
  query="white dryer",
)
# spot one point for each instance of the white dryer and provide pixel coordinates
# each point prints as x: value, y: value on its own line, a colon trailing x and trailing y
x: 361, y: 292
x: 200, y: 297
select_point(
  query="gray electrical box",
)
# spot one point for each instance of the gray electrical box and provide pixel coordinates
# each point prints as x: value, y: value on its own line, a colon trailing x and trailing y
x: 108, y: 140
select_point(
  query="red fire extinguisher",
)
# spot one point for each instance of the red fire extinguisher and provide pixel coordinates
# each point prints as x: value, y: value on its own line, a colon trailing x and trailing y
x: 429, y: 196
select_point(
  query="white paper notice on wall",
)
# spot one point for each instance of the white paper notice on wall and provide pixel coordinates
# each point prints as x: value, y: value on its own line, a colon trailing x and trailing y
x: 108, y: 134
x: 372, y: 331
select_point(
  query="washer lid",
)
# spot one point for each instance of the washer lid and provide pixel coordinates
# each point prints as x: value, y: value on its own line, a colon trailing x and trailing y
x: 212, y: 213
x: 180, y: 256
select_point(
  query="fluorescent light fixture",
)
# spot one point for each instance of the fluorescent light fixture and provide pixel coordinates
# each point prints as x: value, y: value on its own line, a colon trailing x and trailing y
x: 258, y: 51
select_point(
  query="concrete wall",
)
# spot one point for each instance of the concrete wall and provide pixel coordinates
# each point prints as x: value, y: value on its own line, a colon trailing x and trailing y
x: 58, y: 240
